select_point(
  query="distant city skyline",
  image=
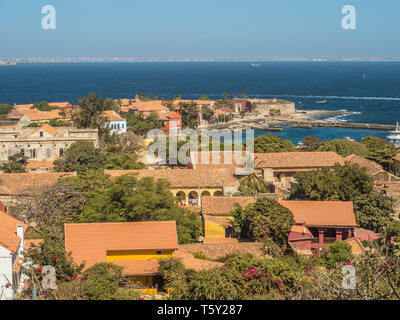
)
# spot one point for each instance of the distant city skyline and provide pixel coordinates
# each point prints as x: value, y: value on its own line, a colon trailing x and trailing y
x: 178, y: 29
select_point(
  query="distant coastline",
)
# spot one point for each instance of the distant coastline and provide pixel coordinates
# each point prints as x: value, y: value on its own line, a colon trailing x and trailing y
x: 13, y: 61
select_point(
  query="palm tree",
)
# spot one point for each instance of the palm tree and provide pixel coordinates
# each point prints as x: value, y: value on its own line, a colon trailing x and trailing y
x: 254, y: 182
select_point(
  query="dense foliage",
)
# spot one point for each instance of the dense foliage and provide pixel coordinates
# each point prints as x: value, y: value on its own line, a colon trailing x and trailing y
x: 272, y: 143
x: 265, y: 219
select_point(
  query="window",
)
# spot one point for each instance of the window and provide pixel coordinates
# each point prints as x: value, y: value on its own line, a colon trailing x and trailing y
x: 33, y: 153
x: 179, y: 121
x: 41, y: 133
x: 123, y: 125
x: 22, y: 152
x: 160, y: 252
x: 48, y: 153
x: 61, y: 152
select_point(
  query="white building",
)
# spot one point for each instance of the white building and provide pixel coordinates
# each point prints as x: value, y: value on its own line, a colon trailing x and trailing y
x: 11, y: 256
x: 115, y: 122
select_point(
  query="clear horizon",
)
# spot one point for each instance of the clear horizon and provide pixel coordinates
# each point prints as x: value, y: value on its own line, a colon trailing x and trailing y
x: 207, y: 29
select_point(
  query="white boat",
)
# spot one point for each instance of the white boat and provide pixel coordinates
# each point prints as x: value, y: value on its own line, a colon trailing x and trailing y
x: 321, y: 101
x: 255, y: 64
x: 394, y: 136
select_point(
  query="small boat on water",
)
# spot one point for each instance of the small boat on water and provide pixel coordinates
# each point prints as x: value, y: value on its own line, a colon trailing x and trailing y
x: 321, y: 101
x: 255, y: 64
x: 394, y: 136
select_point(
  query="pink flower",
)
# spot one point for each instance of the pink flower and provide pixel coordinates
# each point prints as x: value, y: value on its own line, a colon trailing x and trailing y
x: 348, y: 263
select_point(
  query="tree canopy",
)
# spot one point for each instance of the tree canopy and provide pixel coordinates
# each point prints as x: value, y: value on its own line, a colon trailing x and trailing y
x: 272, y: 143
x: 379, y: 150
x: 344, y: 147
x: 265, y: 219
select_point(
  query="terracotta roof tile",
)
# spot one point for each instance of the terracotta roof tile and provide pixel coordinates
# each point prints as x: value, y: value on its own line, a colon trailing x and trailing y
x: 90, y: 242
x: 111, y: 115
x: 397, y: 157
x: 223, y: 205
x: 8, y: 232
x: 230, y: 160
x: 322, y: 213
x: 148, y: 106
x: 40, y: 164
x: 20, y: 183
x: 283, y: 160
x: 371, y: 166
x: 47, y: 128
x: 185, y: 177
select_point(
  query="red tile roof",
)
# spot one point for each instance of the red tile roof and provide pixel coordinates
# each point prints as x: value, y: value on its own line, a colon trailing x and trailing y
x: 47, y: 128
x: 90, y: 242
x: 397, y: 157
x: 20, y: 183
x: 223, y: 205
x: 8, y: 232
x: 111, y: 115
x: 185, y: 177
x: 371, y: 166
x: 282, y: 160
x: 322, y: 213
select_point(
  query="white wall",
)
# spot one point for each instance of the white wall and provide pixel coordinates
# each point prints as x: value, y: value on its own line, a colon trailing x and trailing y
x: 5, y: 274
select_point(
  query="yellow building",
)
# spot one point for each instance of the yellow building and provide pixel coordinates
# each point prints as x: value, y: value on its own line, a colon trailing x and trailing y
x: 135, y: 246
x: 217, y: 217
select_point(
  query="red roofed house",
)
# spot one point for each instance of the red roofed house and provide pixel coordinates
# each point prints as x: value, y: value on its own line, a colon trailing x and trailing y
x: 280, y: 168
x: 172, y: 121
x: 317, y: 223
x: 320, y: 223
x: 11, y: 255
x: 135, y: 246
x: 115, y: 122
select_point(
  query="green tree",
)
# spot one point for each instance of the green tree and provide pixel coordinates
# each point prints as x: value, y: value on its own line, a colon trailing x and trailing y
x: 190, y: 114
x: 16, y: 163
x: 379, y: 150
x: 338, y: 253
x: 344, y: 147
x: 80, y: 156
x: 255, y: 183
x: 123, y: 162
x: 131, y: 199
x: 354, y: 181
x: 344, y: 183
x: 310, y: 144
x: 43, y: 106
x: 272, y: 143
x: 320, y: 185
x: 204, y: 97
x: 89, y: 115
x: 102, y: 281
x: 5, y: 109
x: 265, y: 219
x: 374, y: 211
x: 51, y: 251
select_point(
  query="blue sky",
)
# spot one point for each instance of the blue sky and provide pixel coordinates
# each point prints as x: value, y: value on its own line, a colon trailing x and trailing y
x: 203, y: 28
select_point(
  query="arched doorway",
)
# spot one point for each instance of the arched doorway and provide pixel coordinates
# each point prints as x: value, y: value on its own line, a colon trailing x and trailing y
x: 181, y: 197
x: 193, y: 198
x: 218, y: 194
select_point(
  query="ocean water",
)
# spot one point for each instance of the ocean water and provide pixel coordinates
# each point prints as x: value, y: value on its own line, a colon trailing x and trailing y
x: 369, y: 90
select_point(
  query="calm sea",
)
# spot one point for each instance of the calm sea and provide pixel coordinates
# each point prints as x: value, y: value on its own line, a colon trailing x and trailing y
x: 370, y: 90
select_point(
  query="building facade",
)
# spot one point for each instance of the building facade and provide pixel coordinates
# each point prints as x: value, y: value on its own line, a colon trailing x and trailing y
x: 115, y: 122
x: 135, y: 246
x: 43, y: 143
